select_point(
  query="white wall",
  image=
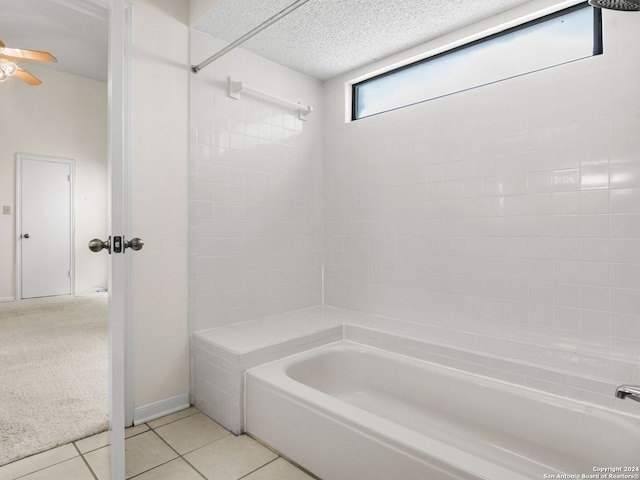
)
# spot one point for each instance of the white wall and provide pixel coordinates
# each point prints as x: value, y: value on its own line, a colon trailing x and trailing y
x: 159, y: 200
x: 64, y: 117
x: 255, y: 190
x: 509, y: 213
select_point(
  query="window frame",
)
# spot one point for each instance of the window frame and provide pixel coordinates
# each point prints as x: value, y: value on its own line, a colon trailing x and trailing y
x: 598, y: 49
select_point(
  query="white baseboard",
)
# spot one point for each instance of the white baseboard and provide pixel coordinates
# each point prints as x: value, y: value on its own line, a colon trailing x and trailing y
x: 7, y: 299
x: 160, y: 408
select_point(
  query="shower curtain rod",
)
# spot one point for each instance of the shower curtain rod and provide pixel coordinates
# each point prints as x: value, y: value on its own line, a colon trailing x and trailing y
x: 248, y: 35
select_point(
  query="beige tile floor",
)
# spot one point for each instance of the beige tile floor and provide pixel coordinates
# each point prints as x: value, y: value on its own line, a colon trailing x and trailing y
x: 183, y: 446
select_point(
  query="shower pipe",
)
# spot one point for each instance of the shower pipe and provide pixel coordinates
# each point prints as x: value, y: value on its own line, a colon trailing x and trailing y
x: 248, y: 35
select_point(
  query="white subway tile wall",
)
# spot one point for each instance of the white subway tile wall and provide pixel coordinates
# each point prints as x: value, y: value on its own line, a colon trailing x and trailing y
x: 255, y: 190
x: 510, y: 212
x: 503, y: 221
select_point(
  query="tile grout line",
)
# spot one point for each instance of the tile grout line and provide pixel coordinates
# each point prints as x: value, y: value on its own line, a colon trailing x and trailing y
x: 92, y: 449
x: 179, y: 456
x: 163, y: 440
x: 196, y: 412
x: 211, y: 443
x: 283, y: 457
x: 95, y: 475
x: 182, y: 456
x: 193, y: 468
x: 256, y: 469
x: 82, y: 455
x: 43, y: 468
x: 191, y: 451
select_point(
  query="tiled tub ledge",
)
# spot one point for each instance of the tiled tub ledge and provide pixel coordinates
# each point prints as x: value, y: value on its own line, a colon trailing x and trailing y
x: 222, y: 355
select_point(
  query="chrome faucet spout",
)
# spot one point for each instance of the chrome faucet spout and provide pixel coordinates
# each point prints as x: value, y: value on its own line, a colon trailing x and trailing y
x: 631, y: 391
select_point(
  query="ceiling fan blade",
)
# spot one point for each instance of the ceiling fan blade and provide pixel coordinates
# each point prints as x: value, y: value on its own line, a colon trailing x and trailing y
x: 25, y: 76
x: 27, y: 54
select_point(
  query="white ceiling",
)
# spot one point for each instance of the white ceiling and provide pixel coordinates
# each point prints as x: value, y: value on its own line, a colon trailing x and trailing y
x: 324, y: 38
x: 74, y: 31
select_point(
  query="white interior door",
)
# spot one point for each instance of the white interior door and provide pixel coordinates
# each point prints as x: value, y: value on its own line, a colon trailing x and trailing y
x: 46, y: 226
x: 119, y: 88
x: 119, y: 167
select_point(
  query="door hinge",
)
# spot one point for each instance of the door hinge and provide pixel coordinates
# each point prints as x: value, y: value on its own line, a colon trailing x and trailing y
x: 69, y: 178
x: 68, y: 273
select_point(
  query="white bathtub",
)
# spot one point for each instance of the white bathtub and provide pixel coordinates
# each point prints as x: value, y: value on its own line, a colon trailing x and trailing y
x: 347, y: 411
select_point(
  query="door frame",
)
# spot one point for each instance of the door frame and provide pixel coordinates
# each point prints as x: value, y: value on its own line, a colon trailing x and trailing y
x: 18, y: 216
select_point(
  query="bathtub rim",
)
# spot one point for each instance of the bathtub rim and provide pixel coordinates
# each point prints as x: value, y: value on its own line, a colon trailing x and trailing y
x: 289, y: 389
x: 404, y: 439
x: 549, y: 397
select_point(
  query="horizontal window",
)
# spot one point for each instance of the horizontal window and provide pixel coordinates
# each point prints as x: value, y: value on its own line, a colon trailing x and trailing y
x: 561, y: 37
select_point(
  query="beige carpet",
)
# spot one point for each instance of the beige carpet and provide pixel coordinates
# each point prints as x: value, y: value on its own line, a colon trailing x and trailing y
x: 53, y: 372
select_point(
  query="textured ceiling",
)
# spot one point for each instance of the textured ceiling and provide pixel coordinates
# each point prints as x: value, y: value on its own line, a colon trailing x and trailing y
x: 324, y: 38
x: 74, y: 31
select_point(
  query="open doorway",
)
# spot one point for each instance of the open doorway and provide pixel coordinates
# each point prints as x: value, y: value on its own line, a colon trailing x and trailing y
x: 54, y: 347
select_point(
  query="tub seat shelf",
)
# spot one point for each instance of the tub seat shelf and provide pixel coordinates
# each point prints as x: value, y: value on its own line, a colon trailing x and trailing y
x: 220, y: 356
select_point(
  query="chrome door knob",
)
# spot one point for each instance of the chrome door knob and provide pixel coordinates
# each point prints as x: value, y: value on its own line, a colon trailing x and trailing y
x: 96, y: 245
x: 133, y: 244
